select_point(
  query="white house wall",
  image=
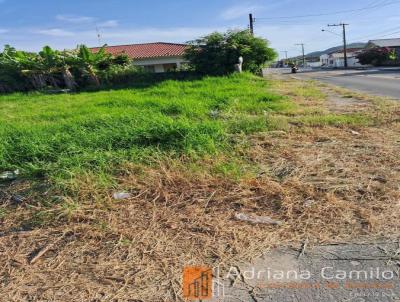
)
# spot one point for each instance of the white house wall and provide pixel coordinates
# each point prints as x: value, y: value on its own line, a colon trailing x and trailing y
x: 158, y: 63
x: 337, y: 60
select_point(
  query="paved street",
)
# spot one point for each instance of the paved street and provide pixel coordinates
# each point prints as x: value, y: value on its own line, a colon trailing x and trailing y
x: 330, y: 273
x: 379, y: 81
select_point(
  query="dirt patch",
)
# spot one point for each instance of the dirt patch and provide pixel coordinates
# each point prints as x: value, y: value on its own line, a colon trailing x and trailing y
x: 344, y: 103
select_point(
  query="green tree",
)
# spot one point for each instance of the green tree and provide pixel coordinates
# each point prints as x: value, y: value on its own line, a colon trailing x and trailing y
x: 58, y: 62
x: 218, y: 53
x: 91, y: 63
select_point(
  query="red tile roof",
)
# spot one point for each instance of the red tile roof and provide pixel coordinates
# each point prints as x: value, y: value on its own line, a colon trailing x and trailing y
x: 148, y: 50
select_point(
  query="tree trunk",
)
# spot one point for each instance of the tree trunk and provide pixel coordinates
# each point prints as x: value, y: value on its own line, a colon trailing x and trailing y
x: 69, y: 79
x: 93, y: 77
x: 53, y: 81
x: 38, y: 81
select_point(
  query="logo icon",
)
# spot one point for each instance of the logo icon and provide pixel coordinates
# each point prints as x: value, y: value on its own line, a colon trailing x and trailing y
x: 197, y: 283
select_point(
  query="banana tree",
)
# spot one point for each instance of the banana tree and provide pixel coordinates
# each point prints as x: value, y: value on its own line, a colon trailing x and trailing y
x: 26, y: 64
x: 91, y: 61
x: 55, y: 62
x: 48, y: 59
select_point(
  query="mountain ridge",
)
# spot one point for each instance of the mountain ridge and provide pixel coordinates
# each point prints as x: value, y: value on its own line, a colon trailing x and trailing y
x: 332, y: 49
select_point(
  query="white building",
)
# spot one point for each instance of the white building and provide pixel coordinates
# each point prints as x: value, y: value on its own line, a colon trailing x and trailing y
x: 313, y: 64
x: 153, y: 57
x: 336, y: 59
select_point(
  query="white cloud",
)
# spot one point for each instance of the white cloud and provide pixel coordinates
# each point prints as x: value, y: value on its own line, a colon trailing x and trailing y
x: 109, y: 23
x: 54, y: 32
x: 239, y: 11
x: 75, y: 19
x: 61, y: 39
x: 3, y: 30
x: 181, y: 34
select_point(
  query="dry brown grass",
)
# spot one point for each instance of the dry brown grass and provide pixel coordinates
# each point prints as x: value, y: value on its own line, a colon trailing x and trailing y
x: 326, y: 184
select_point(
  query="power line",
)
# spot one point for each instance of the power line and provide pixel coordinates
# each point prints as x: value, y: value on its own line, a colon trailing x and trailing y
x: 330, y: 14
x: 379, y: 33
x: 372, y: 3
x: 311, y: 22
x: 396, y: 32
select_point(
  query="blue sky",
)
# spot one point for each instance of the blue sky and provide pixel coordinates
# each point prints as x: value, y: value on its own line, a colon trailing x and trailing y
x: 63, y: 24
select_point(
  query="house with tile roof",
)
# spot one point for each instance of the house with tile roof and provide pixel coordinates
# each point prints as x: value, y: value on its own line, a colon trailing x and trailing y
x: 391, y: 43
x: 153, y: 57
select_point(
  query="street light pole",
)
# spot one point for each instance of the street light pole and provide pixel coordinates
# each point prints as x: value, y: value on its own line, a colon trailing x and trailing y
x: 344, y: 41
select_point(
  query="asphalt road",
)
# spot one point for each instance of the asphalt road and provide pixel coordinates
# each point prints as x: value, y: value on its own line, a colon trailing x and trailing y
x: 383, y: 81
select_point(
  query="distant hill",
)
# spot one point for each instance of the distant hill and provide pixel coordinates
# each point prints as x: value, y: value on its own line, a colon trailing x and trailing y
x: 329, y: 50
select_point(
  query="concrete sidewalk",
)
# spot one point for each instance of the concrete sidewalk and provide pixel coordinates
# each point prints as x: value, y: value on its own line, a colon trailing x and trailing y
x: 330, y: 273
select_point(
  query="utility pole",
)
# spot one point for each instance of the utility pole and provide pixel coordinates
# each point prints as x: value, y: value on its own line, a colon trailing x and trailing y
x: 251, y: 23
x: 286, y: 56
x: 344, y: 42
x: 304, y: 56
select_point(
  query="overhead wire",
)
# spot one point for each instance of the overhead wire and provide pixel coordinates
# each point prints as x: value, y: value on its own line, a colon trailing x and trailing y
x: 331, y: 13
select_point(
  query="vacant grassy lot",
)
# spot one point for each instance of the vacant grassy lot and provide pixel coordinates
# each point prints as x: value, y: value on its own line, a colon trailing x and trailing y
x: 192, y: 154
x: 66, y: 135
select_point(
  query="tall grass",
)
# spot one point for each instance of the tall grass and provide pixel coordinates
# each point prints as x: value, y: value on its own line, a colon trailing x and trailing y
x: 55, y: 135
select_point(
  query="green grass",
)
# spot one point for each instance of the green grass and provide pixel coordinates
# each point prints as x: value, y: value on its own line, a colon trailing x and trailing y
x: 60, y: 136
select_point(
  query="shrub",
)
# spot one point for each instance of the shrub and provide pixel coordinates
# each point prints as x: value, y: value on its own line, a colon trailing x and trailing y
x: 217, y: 53
x: 375, y: 56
